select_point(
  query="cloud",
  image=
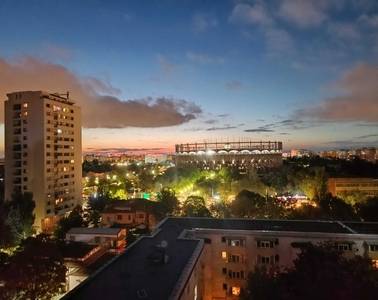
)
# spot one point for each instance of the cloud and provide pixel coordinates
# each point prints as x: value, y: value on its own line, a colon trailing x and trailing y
x: 165, y: 65
x: 258, y: 130
x: 211, y: 121
x: 278, y: 41
x: 221, y: 128
x: 343, y: 30
x: 100, y: 106
x: 371, y: 21
x: 358, y: 103
x: 304, y: 13
x: 367, y: 136
x: 260, y: 120
x: 247, y: 14
x: 205, y: 59
x: 233, y: 85
x: 284, y: 133
x: 201, y: 22
x: 224, y: 115
x: 57, y: 51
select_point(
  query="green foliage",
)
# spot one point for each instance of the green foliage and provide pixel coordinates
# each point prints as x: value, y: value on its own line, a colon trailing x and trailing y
x: 75, y: 219
x: 194, y: 206
x: 35, y: 271
x: 17, y: 218
x: 319, y: 272
x: 248, y: 204
x: 168, y: 204
x: 328, y: 208
x: 94, y: 208
x: 352, y: 197
x: 368, y: 210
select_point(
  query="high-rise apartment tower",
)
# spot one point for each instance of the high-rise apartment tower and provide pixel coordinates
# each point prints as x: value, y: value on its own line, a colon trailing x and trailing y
x: 43, y: 153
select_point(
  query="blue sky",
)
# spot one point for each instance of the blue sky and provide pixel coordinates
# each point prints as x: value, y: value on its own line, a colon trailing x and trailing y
x: 152, y: 74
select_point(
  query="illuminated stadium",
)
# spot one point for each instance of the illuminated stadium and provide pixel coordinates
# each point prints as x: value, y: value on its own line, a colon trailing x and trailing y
x: 243, y: 155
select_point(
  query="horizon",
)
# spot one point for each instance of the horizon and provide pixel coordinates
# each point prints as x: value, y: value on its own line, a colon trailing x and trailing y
x: 150, y: 75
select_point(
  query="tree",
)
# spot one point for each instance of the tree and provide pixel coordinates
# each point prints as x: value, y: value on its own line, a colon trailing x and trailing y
x: 319, y: 272
x: 18, y: 216
x: 194, y: 206
x: 35, y: 271
x: 168, y: 204
x: 368, y: 210
x: 75, y: 219
x: 94, y: 208
x: 252, y: 205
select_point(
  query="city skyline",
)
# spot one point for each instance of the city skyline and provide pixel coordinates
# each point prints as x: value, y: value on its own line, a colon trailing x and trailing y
x: 149, y: 75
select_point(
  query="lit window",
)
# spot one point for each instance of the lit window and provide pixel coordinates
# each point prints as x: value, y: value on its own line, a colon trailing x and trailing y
x: 224, y: 255
x: 25, y: 113
x: 25, y: 104
x: 235, y: 290
x: 343, y: 247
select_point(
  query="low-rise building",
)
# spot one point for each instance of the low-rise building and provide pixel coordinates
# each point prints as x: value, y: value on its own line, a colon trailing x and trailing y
x: 113, y: 239
x: 130, y: 213
x: 368, y: 186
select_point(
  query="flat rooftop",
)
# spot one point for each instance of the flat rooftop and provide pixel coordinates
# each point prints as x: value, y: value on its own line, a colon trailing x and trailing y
x: 84, y: 230
x: 133, y: 270
x: 180, y: 224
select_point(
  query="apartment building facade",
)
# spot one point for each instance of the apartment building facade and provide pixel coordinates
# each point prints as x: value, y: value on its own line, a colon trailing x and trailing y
x: 368, y: 186
x: 43, y: 153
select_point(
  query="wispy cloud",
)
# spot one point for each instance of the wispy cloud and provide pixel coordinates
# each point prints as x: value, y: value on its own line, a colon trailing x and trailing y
x: 247, y: 14
x: 221, y: 128
x: 233, y: 85
x: 304, y: 13
x: 259, y: 130
x: 343, y: 30
x: 211, y: 121
x: 165, y: 65
x: 202, y: 22
x: 205, y: 59
x: 367, y: 136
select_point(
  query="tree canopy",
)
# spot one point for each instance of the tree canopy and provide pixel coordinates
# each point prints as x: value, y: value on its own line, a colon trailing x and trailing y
x: 319, y: 272
x: 35, y: 271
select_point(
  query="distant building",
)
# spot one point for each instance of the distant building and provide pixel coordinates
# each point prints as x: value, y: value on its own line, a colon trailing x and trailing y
x: 200, y: 258
x: 154, y: 159
x: 43, y: 153
x: 242, y: 155
x: 131, y: 213
x: 368, y: 186
x: 302, y: 153
x: 368, y: 154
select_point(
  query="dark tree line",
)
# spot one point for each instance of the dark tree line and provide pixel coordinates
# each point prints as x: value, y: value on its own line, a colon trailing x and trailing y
x: 319, y: 272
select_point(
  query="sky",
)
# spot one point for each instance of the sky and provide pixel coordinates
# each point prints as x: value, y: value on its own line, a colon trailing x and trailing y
x: 150, y: 74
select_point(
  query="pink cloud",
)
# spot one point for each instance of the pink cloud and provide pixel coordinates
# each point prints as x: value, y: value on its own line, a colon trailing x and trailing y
x: 359, y: 102
x: 98, y: 111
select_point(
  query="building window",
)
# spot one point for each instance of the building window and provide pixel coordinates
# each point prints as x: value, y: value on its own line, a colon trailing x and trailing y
x: 225, y: 286
x: 223, y: 239
x: 25, y: 104
x: 25, y: 113
x: 140, y: 216
x: 224, y: 271
x: 24, y: 130
x: 373, y: 248
x: 224, y: 255
x: 234, y: 290
x: 119, y: 217
x: 129, y: 217
x: 16, y: 106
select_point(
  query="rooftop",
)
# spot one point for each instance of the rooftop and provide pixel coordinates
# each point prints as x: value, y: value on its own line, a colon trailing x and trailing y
x: 84, y: 230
